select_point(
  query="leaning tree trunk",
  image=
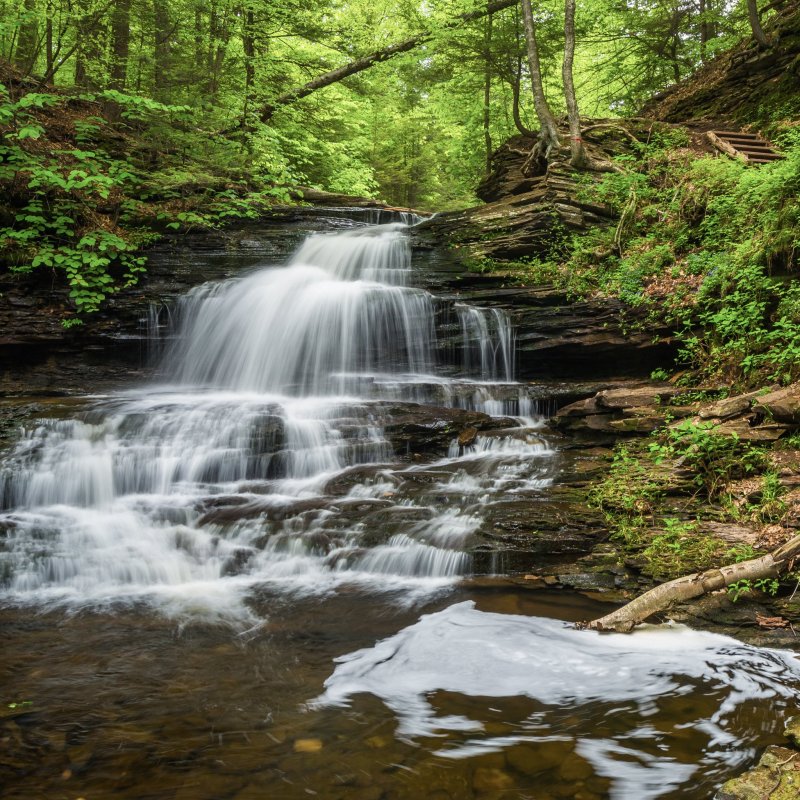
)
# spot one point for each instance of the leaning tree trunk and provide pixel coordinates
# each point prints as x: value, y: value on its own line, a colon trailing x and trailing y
x: 755, y: 23
x: 577, y: 150
x: 548, y: 134
x: 772, y: 565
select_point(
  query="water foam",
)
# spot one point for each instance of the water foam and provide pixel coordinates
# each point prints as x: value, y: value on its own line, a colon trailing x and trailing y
x: 596, y: 677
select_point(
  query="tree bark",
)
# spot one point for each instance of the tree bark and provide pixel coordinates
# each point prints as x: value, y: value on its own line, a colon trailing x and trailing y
x: 548, y: 133
x: 27, y: 48
x: 161, y: 48
x: 772, y: 565
x: 515, y: 109
x: 370, y: 60
x: 755, y: 23
x: 48, y: 39
x: 120, y: 44
x: 577, y: 150
x: 487, y: 89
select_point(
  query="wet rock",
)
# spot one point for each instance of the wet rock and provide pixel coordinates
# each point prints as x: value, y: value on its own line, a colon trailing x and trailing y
x: 574, y: 768
x: 488, y: 780
x: 467, y: 436
x: 307, y: 745
x: 776, y: 777
x: 533, y: 760
x: 413, y: 428
x: 237, y: 563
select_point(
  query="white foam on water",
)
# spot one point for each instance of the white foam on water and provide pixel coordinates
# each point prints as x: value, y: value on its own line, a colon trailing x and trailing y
x: 479, y: 654
x: 274, y: 377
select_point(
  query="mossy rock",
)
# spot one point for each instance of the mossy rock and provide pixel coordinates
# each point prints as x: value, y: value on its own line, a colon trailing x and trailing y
x: 776, y: 777
x: 792, y: 730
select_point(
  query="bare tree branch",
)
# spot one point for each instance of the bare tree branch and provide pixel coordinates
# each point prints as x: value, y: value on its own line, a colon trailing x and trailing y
x: 772, y: 565
x: 371, y: 59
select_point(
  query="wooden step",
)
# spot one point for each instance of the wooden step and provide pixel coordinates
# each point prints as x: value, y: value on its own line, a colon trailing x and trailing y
x: 740, y: 134
x: 747, y: 147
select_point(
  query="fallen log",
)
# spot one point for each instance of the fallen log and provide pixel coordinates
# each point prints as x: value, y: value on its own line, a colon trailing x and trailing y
x: 625, y: 619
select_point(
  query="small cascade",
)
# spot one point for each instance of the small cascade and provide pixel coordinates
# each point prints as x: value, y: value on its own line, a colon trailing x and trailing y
x: 235, y: 474
x: 488, y: 342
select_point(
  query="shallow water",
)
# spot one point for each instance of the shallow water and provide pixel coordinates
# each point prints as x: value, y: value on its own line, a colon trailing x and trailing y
x: 359, y: 696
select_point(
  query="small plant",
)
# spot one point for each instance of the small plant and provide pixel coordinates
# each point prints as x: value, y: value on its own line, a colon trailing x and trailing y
x: 678, y: 549
x: 770, y: 506
x: 715, y: 458
x: 745, y: 586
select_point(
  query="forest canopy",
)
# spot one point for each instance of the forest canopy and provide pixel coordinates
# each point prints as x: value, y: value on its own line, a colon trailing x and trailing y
x: 399, y: 100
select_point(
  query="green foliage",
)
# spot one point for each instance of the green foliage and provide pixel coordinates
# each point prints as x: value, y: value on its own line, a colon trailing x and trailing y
x: 631, y: 486
x: 714, y: 459
x: 769, y: 505
x: 710, y: 246
x: 82, y: 210
x: 52, y: 227
x: 743, y: 587
x: 678, y: 549
x: 637, y: 497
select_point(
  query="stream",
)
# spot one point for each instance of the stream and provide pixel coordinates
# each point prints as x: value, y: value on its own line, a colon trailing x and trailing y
x: 265, y: 574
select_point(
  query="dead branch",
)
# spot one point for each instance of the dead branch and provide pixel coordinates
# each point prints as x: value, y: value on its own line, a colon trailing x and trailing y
x: 772, y: 565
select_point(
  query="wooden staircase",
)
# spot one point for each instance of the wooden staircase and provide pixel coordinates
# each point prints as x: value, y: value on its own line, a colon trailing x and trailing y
x: 747, y: 147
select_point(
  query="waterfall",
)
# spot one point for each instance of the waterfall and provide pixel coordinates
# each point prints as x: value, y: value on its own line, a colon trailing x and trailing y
x: 278, y: 385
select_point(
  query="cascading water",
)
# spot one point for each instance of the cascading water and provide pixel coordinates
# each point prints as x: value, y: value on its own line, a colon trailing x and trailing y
x: 221, y: 481
x: 285, y: 458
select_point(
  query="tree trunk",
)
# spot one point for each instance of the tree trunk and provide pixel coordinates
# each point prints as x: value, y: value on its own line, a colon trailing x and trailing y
x: 28, y: 39
x: 755, y: 23
x: 48, y: 41
x: 515, y: 109
x: 577, y: 151
x: 161, y: 48
x: 772, y: 565
x: 120, y: 44
x: 249, y: 48
x: 88, y: 32
x: 487, y: 89
x: 704, y: 29
x: 548, y: 133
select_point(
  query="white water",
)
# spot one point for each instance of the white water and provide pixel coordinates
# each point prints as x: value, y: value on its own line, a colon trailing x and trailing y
x: 264, y: 465
x: 596, y: 677
x: 191, y: 496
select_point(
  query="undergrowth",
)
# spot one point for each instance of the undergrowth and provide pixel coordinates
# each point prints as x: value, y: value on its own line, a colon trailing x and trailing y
x: 659, y: 492
x: 88, y: 181
x: 704, y: 243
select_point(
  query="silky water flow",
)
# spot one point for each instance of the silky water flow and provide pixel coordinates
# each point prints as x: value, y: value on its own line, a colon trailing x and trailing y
x: 264, y: 474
